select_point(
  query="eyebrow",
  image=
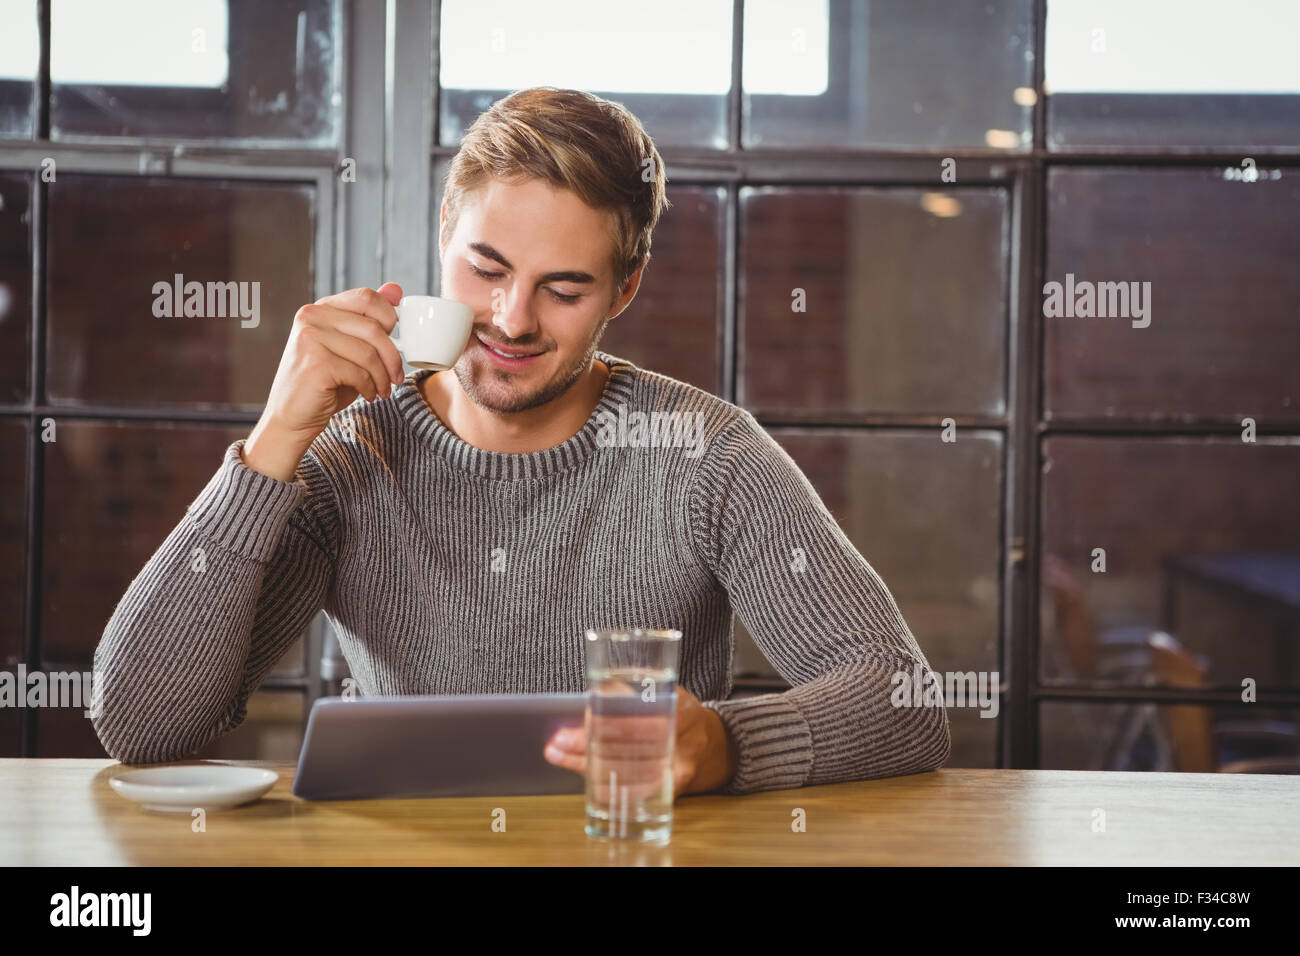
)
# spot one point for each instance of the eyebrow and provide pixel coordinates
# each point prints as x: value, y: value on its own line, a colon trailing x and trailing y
x: 483, y: 249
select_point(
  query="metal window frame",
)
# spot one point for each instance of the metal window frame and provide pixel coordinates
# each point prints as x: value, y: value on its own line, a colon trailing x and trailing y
x: 1023, y: 425
x: 382, y: 224
x: 178, y: 158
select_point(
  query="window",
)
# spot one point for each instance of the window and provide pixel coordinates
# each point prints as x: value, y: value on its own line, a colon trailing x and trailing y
x: 20, y: 45
x: 860, y: 301
x: 1172, y: 73
x: 674, y: 325
x: 1179, y: 535
x: 925, y: 514
x: 897, y: 74
x: 182, y: 147
x: 15, y: 286
x: 1211, y: 260
x: 221, y: 70
x: 192, y: 306
x: 674, y: 80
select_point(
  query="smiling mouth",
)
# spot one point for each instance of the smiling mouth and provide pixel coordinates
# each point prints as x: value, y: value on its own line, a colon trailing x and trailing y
x: 506, y: 352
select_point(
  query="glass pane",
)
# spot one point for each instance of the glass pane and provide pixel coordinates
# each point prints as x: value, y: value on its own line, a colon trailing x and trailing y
x: 1168, y: 737
x: 294, y: 662
x: 20, y: 47
x: 901, y: 73
x: 440, y: 169
x: 15, y: 287
x: 1200, y: 308
x: 672, y: 69
x: 673, y: 326
x: 1197, y: 539
x: 242, y: 255
x: 273, y: 730
x: 839, y: 314
x: 1172, y: 73
x: 111, y: 488
x: 206, y: 69
x: 11, y: 744
x: 926, y: 515
x: 13, y: 540
x: 66, y: 732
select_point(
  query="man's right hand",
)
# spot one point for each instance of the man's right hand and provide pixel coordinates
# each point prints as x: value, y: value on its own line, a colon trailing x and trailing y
x: 339, y: 348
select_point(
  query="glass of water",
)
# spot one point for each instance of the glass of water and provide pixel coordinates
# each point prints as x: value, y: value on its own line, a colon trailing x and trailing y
x: 631, y: 731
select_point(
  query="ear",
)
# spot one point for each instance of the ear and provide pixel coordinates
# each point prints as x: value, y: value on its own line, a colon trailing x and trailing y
x: 627, y: 293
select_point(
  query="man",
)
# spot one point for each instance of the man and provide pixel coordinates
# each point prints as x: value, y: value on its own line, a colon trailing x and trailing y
x: 463, y: 529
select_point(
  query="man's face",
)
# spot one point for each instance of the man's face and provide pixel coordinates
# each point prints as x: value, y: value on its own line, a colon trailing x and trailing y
x: 534, y: 263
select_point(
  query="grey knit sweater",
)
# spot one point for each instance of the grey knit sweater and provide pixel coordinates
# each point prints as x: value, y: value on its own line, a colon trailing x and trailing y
x: 448, y: 569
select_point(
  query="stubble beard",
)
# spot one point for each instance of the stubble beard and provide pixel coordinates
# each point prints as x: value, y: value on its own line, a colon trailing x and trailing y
x: 492, y: 388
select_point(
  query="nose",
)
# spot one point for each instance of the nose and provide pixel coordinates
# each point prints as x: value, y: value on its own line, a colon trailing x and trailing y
x: 512, y: 313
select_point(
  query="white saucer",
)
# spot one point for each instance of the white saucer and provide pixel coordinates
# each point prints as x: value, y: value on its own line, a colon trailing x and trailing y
x: 181, y: 789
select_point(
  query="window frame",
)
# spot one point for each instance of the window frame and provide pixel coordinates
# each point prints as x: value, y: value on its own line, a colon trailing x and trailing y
x: 384, y: 225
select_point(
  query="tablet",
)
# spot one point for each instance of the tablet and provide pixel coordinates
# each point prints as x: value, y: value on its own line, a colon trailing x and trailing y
x: 472, y: 745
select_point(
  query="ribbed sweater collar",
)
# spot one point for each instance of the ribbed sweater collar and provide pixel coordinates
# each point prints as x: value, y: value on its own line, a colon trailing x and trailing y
x: 429, y: 428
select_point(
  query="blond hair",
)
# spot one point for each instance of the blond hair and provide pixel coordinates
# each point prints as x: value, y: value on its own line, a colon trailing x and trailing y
x: 572, y: 140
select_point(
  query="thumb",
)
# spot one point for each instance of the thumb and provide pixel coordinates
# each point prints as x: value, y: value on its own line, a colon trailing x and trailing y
x: 391, y: 291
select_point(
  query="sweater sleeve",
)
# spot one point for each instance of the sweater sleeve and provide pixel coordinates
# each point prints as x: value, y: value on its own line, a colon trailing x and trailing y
x: 820, y: 615
x: 213, y: 610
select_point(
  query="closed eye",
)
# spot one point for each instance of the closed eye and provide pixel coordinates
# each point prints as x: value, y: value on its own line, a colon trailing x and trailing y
x: 484, y: 275
x: 559, y: 297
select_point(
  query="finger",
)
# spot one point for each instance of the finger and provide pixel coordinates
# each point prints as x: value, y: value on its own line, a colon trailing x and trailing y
x: 631, y: 728
x: 359, y: 353
x: 323, y: 316
x: 633, y: 759
x: 349, y: 374
x: 618, y: 688
x: 364, y: 328
x: 560, y: 758
x: 681, y: 777
x: 366, y: 302
x: 569, y: 741
x: 637, y: 774
x: 391, y: 291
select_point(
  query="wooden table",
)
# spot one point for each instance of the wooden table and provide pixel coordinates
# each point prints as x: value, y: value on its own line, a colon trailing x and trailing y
x: 63, y: 812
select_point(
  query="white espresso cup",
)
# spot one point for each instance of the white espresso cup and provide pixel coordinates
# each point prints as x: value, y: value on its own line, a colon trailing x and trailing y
x: 432, y: 332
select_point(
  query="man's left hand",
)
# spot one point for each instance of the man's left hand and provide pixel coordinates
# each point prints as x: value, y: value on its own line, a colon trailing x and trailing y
x: 704, y: 758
